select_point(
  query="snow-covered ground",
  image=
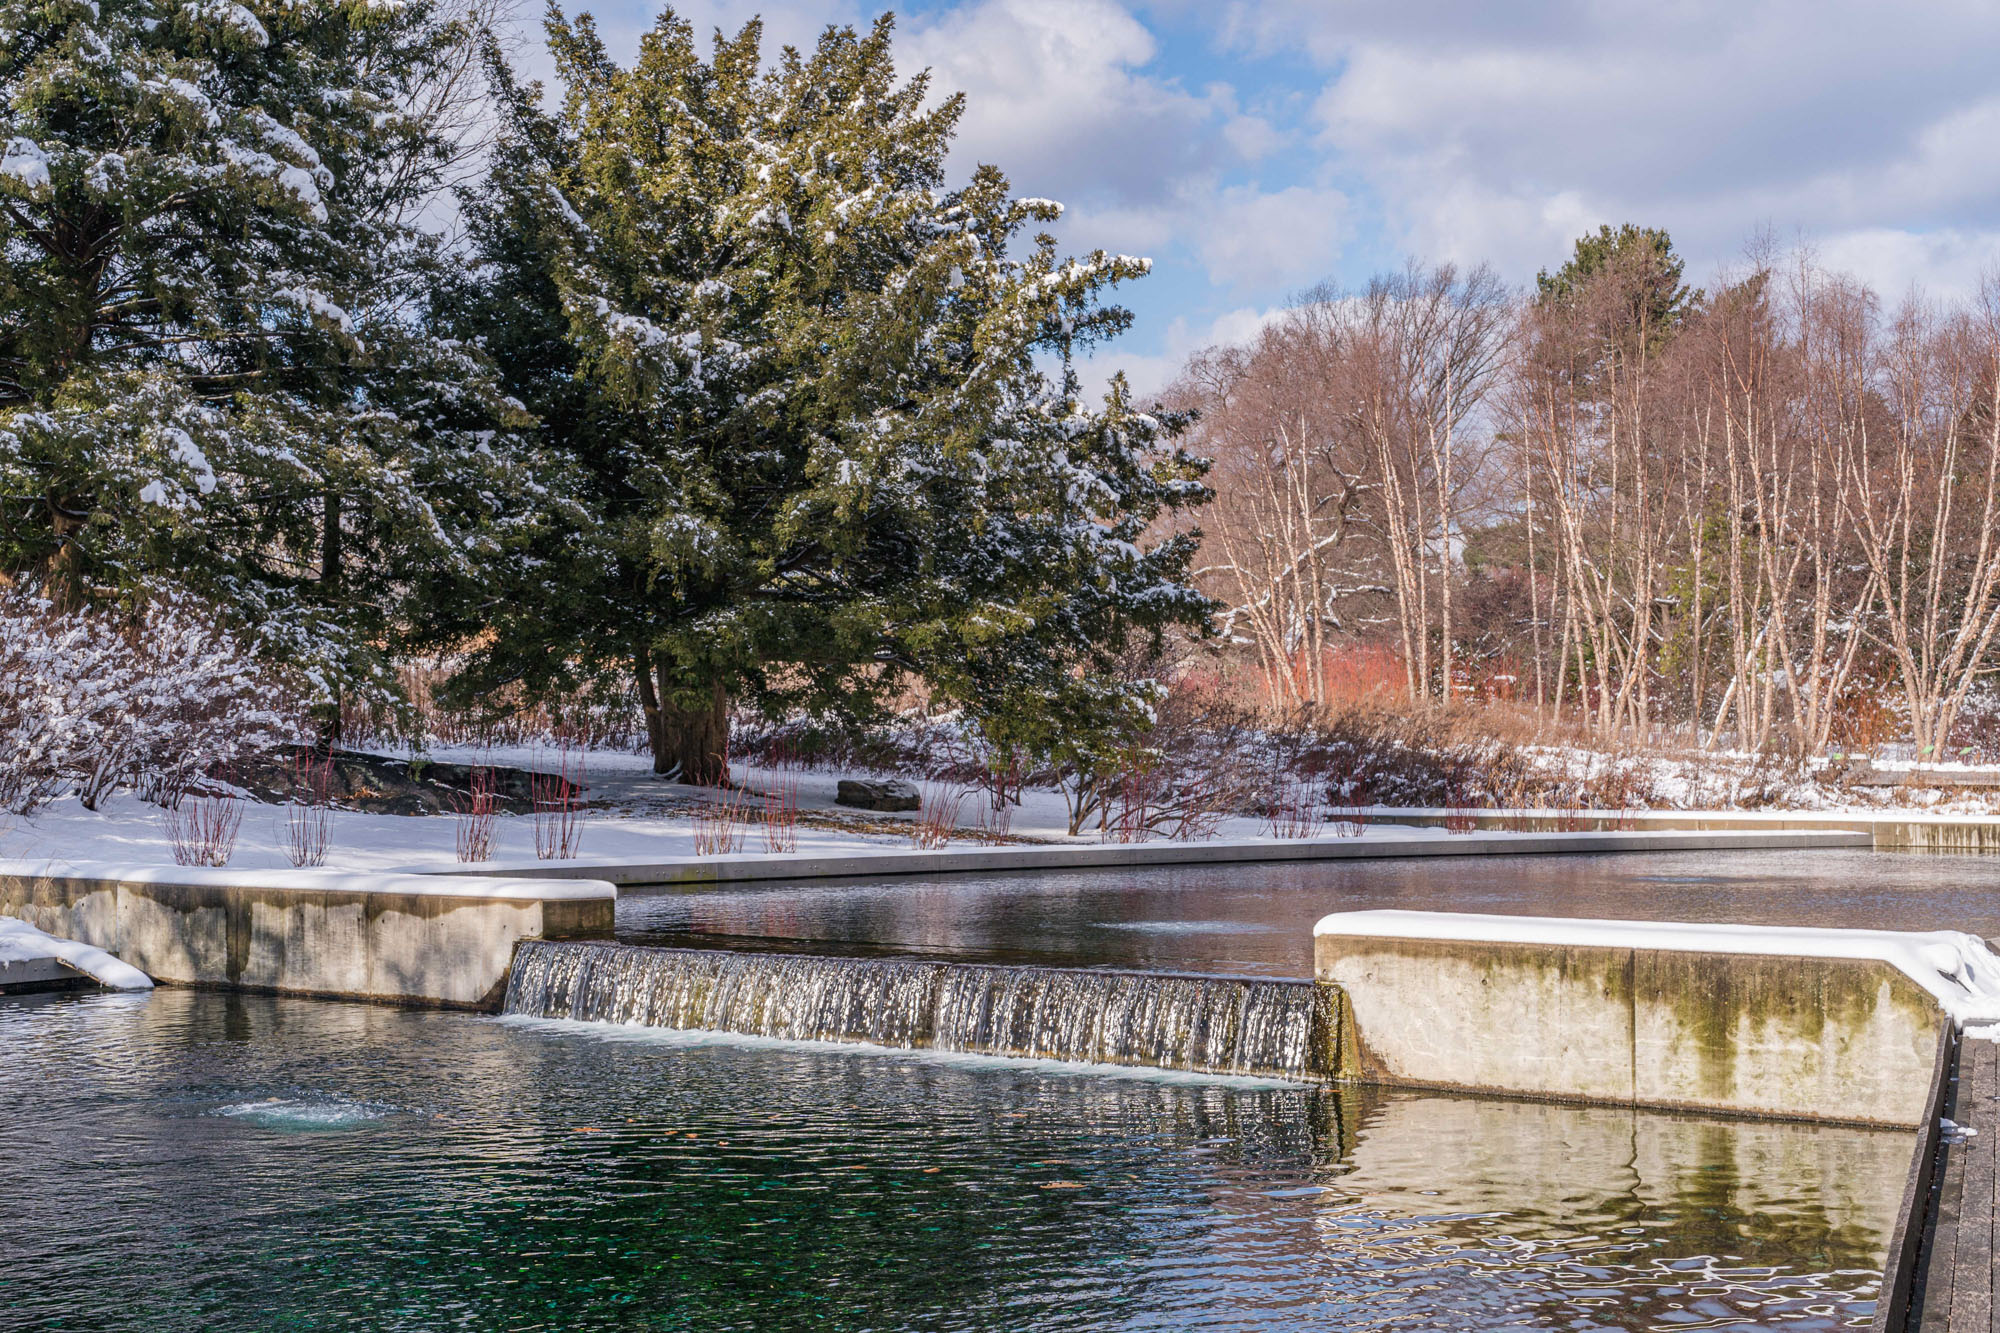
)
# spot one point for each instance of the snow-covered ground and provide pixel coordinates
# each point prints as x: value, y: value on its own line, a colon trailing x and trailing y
x: 631, y: 816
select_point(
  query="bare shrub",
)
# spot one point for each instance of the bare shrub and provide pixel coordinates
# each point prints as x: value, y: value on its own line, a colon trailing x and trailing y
x: 1293, y: 809
x: 1179, y: 778
x: 201, y: 827
x: 781, y: 813
x: 940, y: 802
x: 478, y: 813
x: 720, y: 823
x: 308, y: 826
x: 557, y: 799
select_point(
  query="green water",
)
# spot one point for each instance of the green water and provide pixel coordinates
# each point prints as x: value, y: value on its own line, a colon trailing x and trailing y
x: 192, y: 1160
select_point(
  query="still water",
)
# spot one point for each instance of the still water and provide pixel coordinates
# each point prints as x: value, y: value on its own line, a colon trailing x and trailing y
x: 190, y: 1160
x: 1257, y: 920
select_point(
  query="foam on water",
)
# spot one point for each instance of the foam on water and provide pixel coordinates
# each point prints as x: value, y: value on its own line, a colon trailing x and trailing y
x: 683, y: 1039
x: 303, y: 1113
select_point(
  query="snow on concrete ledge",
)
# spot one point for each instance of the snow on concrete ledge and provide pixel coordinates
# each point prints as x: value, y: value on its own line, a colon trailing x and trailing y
x: 1954, y: 968
x: 315, y: 881
x: 22, y: 943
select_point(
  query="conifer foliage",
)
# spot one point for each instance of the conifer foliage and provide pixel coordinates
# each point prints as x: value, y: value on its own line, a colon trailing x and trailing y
x: 215, y: 365
x: 810, y: 408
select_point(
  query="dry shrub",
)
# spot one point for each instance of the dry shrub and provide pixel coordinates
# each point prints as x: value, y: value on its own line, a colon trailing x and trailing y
x: 781, y: 813
x: 939, y: 802
x: 558, y: 814
x: 308, y: 826
x: 201, y: 827
x: 477, y: 812
x: 1293, y: 811
x: 721, y: 822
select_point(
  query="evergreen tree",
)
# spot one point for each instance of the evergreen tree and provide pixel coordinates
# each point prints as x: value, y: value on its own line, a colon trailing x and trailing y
x: 823, y: 420
x: 1640, y: 263
x: 215, y: 366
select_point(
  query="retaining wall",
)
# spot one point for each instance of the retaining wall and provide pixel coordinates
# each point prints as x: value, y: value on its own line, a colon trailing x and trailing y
x: 419, y: 939
x: 1847, y: 1039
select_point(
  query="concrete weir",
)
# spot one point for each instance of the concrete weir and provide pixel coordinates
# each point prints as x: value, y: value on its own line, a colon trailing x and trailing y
x: 1779, y: 1021
x: 410, y: 939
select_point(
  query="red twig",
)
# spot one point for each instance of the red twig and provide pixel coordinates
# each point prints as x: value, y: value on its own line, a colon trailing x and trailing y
x: 308, y: 826
x: 202, y: 829
x: 477, y: 815
x: 557, y: 807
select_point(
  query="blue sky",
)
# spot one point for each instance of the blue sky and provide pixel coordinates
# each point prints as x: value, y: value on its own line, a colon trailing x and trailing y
x: 1254, y: 150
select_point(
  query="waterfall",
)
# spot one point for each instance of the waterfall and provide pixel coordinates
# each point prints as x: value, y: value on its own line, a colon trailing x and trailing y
x: 1214, y: 1025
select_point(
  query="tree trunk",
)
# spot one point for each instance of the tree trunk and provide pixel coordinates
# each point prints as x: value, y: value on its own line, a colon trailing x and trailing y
x: 692, y: 744
x: 649, y: 703
x: 332, y: 560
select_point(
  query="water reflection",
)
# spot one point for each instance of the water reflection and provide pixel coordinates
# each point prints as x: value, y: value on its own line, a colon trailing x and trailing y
x: 521, y: 1178
x: 1257, y: 920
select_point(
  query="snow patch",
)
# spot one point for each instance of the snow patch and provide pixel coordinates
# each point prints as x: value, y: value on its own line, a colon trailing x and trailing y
x: 25, y: 161
x: 22, y: 943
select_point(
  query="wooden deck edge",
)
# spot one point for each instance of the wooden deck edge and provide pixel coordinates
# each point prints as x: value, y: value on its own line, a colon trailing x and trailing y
x: 1907, y: 1240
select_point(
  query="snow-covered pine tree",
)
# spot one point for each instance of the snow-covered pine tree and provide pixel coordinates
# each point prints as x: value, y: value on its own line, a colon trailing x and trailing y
x: 214, y: 361
x: 824, y: 414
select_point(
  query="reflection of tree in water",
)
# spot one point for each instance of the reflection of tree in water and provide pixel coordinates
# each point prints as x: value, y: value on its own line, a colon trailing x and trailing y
x: 1678, y: 1214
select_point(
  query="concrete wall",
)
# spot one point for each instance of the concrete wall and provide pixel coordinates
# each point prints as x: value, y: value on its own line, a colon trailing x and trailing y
x: 1843, y: 1039
x: 399, y: 938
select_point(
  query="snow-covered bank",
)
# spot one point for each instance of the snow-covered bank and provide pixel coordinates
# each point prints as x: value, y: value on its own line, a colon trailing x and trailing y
x: 632, y: 816
x: 22, y: 943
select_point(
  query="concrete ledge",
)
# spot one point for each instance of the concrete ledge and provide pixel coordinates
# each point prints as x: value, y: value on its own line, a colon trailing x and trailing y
x: 21, y: 976
x: 403, y: 938
x: 1887, y: 830
x: 1076, y: 856
x: 1811, y: 1024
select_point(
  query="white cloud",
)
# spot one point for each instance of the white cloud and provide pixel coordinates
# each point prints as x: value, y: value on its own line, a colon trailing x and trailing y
x: 1500, y: 131
x: 1058, y: 97
x: 1254, y: 239
x: 1151, y: 373
x: 1948, y: 265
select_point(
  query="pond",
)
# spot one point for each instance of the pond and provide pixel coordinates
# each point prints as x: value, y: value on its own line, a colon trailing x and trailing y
x: 189, y: 1160
x: 1256, y: 920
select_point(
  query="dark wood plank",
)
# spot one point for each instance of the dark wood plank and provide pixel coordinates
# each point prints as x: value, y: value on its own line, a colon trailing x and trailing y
x: 1941, y: 1248
x: 1902, y: 1278
x: 1972, y: 1270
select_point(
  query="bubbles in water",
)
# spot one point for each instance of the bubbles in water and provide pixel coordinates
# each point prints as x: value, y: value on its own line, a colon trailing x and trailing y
x: 303, y: 1113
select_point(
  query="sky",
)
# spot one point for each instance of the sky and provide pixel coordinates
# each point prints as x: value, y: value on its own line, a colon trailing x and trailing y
x: 1254, y: 150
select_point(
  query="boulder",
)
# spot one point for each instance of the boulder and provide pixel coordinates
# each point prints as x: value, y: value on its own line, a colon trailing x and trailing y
x: 886, y: 794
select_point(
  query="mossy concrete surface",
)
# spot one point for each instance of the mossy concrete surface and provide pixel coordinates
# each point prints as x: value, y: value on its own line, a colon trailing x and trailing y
x: 372, y: 942
x: 1848, y: 1040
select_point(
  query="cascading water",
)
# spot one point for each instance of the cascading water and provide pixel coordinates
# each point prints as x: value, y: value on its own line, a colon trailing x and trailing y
x: 1213, y: 1025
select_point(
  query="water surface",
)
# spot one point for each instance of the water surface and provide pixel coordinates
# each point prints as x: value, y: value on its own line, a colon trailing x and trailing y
x: 198, y: 1160
x: 1257, y: 919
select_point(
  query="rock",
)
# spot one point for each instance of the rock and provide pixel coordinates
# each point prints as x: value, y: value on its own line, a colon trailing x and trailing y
x: 888, y: 794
